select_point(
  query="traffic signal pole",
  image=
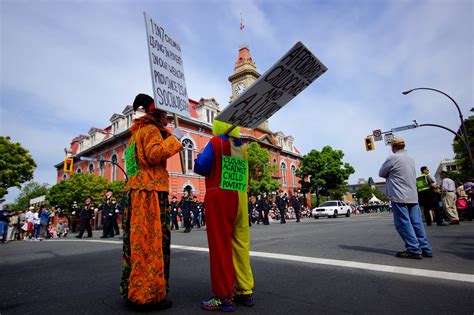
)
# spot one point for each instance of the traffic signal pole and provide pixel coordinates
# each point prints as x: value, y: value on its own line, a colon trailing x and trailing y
x: 416, y: 125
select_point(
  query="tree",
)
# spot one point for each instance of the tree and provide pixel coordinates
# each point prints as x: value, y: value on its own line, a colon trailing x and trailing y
x: 16, y: 165
x: 366, y: 192
x: 260, y: 170
x: 76, y: 189
x: 29, y: 191
x: 462, y: 159
x: 326, y: 170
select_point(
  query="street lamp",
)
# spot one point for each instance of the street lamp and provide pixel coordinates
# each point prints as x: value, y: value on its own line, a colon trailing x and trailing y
x: 464, y: 131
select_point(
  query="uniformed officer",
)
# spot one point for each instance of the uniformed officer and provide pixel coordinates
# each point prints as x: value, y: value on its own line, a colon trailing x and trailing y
x: 282, y: 203
x: 174, y: 213
x: 264, y: 207
x: 425, y: 185
x: 296, y: 204
x: 186, y: 205
x: 87, y: 212
x: 109, y: 210
x: 196, y: 212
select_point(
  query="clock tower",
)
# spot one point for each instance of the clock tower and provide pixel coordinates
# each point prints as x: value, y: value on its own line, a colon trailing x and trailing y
x: 245, y: 73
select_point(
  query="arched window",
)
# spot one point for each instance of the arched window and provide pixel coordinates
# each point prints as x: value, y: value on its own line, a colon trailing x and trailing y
x: 293, y: 175
x: 64, y: 176
x: 283, y: 173
x: 78, y: 170
x: 188, y: 154
x: 114, y: 160
x: 101, y: 166
x: 91, y: 168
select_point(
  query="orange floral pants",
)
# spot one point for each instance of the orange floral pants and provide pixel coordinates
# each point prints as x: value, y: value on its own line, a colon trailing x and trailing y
x: 146, y: 247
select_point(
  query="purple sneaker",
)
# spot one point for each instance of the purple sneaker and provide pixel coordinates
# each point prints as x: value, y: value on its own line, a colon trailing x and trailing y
x: 218, y: 304
x: 245, y: 299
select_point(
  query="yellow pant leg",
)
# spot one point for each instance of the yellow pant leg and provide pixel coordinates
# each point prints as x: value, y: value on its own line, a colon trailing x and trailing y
x: 241, y: 249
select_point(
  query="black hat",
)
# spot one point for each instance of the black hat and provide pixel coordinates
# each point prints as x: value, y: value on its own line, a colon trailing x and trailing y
x: 142, y: 100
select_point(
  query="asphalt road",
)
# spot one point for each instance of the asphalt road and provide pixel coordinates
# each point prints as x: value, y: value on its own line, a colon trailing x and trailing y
x: 329, y: 266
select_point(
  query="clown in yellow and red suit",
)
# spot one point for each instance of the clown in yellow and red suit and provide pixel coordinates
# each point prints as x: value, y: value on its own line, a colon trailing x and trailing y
x: 227, y: 223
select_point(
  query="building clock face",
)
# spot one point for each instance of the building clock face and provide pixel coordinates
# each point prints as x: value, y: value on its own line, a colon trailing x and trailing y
x: 240, y: 88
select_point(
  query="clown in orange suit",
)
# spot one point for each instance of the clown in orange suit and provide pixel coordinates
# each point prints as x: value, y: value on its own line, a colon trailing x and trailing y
x: 228, y: 231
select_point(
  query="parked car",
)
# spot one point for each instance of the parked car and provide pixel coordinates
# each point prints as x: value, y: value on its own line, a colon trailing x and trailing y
x: 332, y: 208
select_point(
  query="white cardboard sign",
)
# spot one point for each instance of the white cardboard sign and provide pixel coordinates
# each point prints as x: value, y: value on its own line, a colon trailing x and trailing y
x: 167, y: 72
x: 290, y: 75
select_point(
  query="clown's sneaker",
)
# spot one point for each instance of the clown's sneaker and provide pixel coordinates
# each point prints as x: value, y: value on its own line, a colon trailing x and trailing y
x: 218, y: 304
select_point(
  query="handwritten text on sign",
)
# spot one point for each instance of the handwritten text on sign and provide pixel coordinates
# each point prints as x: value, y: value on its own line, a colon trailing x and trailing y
x: 167, y: 73
x: 234, y: 174
x: 297, y: 69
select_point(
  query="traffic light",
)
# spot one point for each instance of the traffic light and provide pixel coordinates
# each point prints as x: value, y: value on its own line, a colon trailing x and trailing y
x: 369, y: 143
x: 68, y: 164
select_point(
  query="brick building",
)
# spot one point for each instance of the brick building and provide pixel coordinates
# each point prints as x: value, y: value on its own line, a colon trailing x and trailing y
x: 109, y: 143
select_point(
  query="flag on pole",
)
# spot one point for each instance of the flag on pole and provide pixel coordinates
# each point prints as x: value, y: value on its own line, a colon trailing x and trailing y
x: 241, y: 22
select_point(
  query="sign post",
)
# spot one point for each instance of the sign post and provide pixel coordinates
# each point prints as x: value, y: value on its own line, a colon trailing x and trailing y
x: 290, y: 75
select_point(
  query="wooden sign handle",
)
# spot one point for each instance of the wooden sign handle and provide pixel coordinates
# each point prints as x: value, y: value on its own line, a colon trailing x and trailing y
x: 229, y: 130
x: 181, y: 153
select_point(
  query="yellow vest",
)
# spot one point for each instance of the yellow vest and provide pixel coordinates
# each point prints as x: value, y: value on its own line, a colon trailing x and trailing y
x: 422, y: 183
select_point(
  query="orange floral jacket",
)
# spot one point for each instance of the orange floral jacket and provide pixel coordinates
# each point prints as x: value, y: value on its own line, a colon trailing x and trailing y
x: 152, y: 151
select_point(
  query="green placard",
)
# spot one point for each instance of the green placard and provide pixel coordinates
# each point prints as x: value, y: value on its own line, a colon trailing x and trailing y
x: 234, y: 174
x: 131, y: 162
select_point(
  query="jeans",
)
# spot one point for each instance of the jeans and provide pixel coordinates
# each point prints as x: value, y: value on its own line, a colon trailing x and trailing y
x: 3, y: 231
x: 408, y: 222
x: 37, y: 231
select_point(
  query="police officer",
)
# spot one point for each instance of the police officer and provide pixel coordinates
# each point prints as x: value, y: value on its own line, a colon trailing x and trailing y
x: 196, y: 212
x: 186, y: 205
x: 296, y: 204
x: 109, y: 210
x: 174, y: 213
x: 427, y: 199
x: 282, y: 202
x: 264, y: 207
x: 87, y: 211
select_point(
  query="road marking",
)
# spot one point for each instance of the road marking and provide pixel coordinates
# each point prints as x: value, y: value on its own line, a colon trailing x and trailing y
x: 334, y: 262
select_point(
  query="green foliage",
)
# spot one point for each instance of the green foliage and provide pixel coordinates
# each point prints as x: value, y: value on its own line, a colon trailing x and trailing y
x: 260, y: 170
x: 462, y: 159
x: 77, y: 188
x: 328, y: 173
x: 117, y: 187
x: 16, y: 165
x: 29, y: 191
x: 366, y: 192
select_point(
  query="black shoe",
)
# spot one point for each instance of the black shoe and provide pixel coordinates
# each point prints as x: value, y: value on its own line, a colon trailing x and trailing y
x: 187, y: 231
x: 408, y: 255
x: 103, y: 236
x: 77, y: 236
x: 427, y: 254
x: 163, y: 305
x: 442, y: 224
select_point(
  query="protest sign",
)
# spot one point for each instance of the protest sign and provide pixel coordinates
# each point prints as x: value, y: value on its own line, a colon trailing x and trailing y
x: 290, y: 75
x: 234, y: 173
x: 167, y: 72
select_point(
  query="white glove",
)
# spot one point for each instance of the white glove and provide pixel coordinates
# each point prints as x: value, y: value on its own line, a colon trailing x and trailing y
x: 177, y: 133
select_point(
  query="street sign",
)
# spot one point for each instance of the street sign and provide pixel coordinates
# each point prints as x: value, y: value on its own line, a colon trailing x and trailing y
x: 290, y: 75
x: 377, y: 135
x: 388, y: 138
x: 412, y: 126
x: 167, y: 72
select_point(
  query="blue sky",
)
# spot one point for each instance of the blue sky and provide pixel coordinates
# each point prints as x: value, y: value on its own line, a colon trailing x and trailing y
x: 67, y: 66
